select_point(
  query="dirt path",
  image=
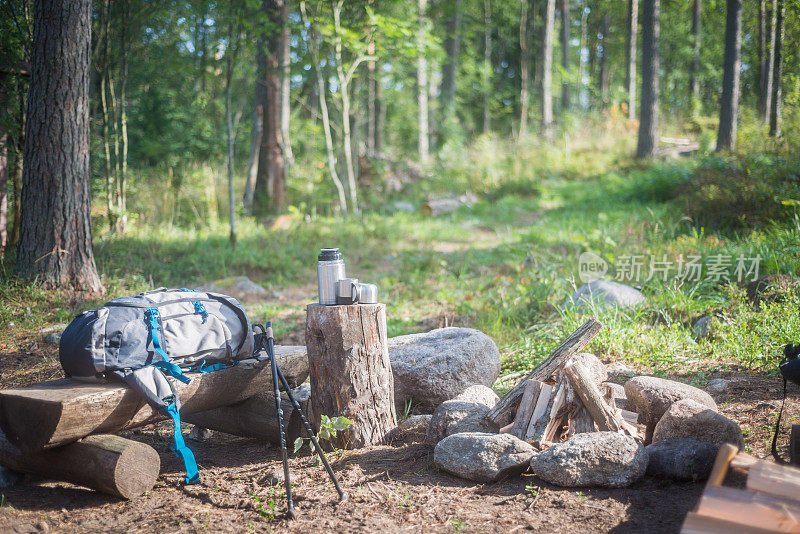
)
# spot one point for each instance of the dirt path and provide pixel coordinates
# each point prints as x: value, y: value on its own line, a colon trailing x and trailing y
x: 392, y: 489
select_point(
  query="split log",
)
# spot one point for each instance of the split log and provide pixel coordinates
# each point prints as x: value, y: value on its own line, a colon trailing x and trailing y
x: 503, y: 412
x: 526, y: 407
x: 543, y: 424
x: 255, y: 418
x: 106, y: 463
x: 603, y: 415
x: 60, y: 412
x: 350, y: 372
x: 778, y: 480
x: 700, y: 524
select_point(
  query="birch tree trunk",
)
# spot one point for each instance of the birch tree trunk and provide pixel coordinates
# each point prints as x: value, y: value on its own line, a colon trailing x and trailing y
x: 286, y: 86
x: 452, y: 45
x: 633, y: 29
x: 729, y: 101
x: 487, y: 64
x: 230, y: 59
x: 422, y: 81
x: 524, y: 68
x: 565, y: 54
x: 547, y: 68
x: 344, y: 93
x: 648, y: 115
x: 694, y: 72
x: 604, y: 61
x: 777, y: 73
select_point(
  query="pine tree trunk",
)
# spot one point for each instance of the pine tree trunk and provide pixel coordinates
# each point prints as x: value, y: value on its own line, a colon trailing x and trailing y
x: 694, y: 73
x: 55, y: 243
x: 370, y: 104
x: 16, y: 171
x: 271, y: 193
x: 648, y: 115
x: 487, y: 65
x: 3, y: 187
x: 547, y: 68
x: 230, y: 58
x: 122, y: 183
x: 565, y: 63
x: 729, y: 101
x: 422, y: 81
x: 524, y: 68
x: 633, y: 29
x: 452, y: 45
x: 777, y: 73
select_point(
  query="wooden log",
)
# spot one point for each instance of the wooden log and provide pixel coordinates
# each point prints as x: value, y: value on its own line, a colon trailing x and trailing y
x: 725, y: 454
x: 750, y: 509
x: 350, y: 372
x: 106, y: 463
x: 604, y: 416
x: 503, y: 412
x: 541, y: 428
x: 701, y: 524
x: 255, y: 418
x: 67, y: 410
x: 526, y: 407
x: 779, y: 480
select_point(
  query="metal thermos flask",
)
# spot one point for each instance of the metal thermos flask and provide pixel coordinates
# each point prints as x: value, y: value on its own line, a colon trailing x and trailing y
x: 330, y: 269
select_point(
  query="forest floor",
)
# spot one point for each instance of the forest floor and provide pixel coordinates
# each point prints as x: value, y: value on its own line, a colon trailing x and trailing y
x: 503, y: 265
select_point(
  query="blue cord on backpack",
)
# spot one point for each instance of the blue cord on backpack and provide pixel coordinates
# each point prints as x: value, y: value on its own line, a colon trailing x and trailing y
x: 179, y: 446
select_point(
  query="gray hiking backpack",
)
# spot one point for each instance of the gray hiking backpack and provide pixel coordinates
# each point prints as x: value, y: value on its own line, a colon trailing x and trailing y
x: 143, y: 338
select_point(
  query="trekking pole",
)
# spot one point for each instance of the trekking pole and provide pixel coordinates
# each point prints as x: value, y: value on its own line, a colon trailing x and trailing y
x: 274, y: 364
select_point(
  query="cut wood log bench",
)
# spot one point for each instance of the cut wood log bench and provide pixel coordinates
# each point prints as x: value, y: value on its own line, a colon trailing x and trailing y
x: 41, y: 424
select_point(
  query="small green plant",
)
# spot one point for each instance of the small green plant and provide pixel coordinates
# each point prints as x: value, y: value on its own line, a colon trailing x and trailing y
x: 457, y: 524
x: 406, y: 410
x: 328, y: 428
x: 532, y: 489
x: 265, y: 508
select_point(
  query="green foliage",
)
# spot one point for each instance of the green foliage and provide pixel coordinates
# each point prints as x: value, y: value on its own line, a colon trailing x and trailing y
x: 328, y: 428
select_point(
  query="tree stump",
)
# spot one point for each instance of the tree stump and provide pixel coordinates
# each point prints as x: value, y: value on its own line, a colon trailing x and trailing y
x: 351, y: 376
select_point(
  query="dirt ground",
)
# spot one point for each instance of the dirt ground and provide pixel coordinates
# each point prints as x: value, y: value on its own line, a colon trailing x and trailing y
x: 391, y: 488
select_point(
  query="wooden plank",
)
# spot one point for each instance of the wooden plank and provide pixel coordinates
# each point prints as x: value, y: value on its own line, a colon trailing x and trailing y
x: 503, y: 412
x: 701, y: 524
x: 526, y: 407
x: 604, y: 416
x: 106, y: 463
x: 540, y: 418
x: 59, y: 412
x: 750, y: 509
x: 726, y: 453
x: 779, y: 480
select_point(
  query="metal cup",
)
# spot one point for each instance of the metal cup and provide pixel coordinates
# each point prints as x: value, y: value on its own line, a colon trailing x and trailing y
x: 367, y: 294
x: 347, y: 291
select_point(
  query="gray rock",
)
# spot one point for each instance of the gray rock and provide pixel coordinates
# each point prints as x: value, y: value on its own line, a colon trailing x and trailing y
x: 412, y: 430
x: 620, y: 370
x: 681, y: 459
x: 719, y: 385
x: 620, y: 399
x: 9, y: 478
x: 480, y: 394
x: 651, y: 397
x: 52, y: 334
x: 200, y: 434
x: 402, y: 205
x: 604, y: 459
x: 702, y: 327
x: 688, y: 418
x: 433, y: 367
x: 482, y: 457
x: 455, y: 416
x: 239, y: 287
x: 53, y: 339
x: 597, y: 370
x: 603, y: 295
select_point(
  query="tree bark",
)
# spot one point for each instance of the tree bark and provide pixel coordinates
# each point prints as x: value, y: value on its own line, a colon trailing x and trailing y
x: 452, y: 45
x: 106, y: 463
x: 350, y: 372
x: 547, y: 69
x: 230, y: 58
x: 67, y: 410
x: 371, y: 96
x: 3, y: 192
x: 565, y: 56
x: 422, y: 81
x: 344, y: 93
x: 729, y: 101
x: 633, y: 29
x: 122, y: 183
x: 648, y: 114
x: 694, y: 73
x: 270, y: 190
x: 487, y: 65
x: 777, y: 74
x: 524, y: 66
x: 16, y: 172
x: 55, y: 244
